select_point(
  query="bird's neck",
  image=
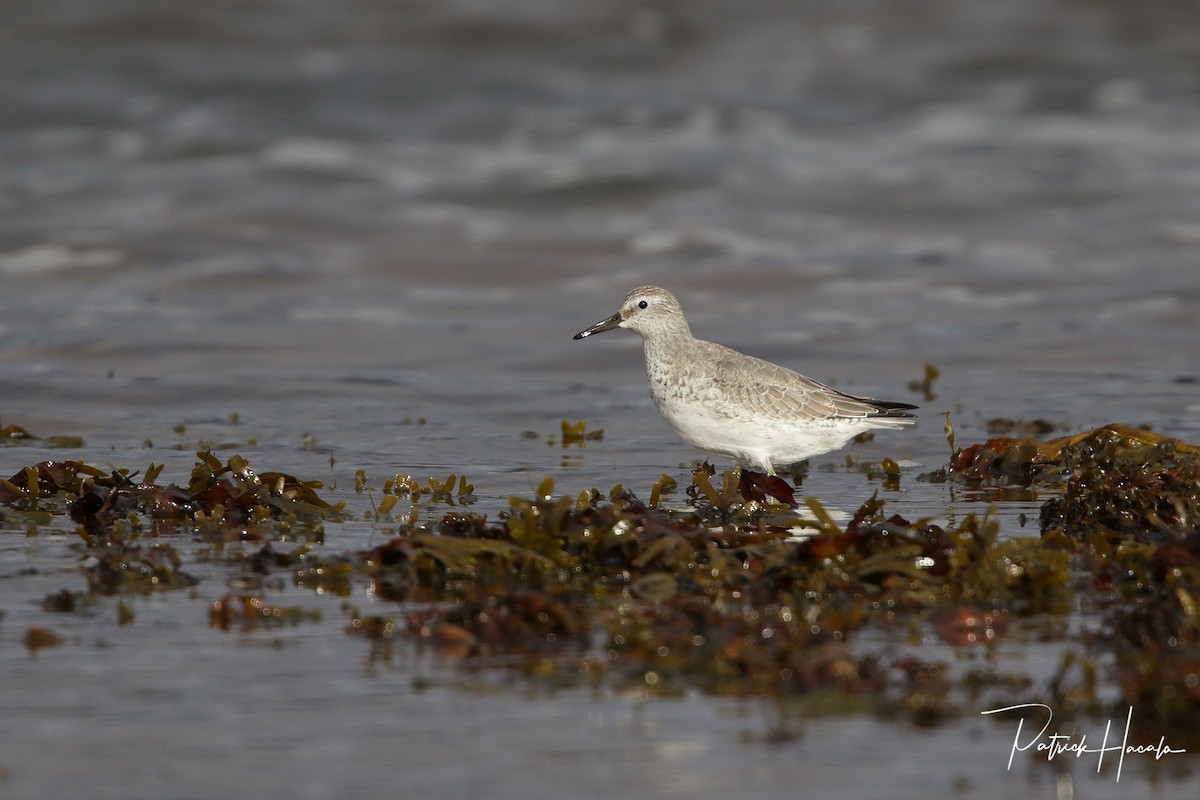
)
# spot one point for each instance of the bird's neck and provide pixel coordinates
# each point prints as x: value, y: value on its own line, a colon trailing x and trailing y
x: 667, y: 346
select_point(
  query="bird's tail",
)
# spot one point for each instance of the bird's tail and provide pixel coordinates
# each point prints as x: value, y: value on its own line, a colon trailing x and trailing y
x: 889, y: 410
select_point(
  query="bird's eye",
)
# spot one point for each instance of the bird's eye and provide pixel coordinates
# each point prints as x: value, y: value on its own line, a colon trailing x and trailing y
x: 643, y: 304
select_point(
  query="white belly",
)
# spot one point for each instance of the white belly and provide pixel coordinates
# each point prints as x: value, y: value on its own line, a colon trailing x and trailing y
x: 761, y: 442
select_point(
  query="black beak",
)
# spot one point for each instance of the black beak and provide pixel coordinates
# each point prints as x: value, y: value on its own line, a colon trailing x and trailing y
x: 600, y: 327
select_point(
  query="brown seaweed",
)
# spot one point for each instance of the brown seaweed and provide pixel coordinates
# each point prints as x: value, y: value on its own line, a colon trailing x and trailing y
x: 731, y: 586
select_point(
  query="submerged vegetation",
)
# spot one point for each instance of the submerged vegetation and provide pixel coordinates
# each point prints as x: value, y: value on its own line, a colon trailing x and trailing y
x: 728, y: 585
x: 15, y: 435
x: 1128, y: 513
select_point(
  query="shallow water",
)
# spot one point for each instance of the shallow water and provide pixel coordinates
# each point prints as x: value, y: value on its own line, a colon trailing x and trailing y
x: 370, y: 233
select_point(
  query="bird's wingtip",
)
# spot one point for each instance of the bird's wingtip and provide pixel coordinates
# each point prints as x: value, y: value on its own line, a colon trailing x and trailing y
x: 894, y: 410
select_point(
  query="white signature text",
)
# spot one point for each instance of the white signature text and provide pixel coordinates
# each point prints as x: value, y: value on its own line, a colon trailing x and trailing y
x: 1055, y: 744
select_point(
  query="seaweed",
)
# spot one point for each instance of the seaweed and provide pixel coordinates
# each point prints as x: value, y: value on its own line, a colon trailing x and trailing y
x: 732, y: 584
x: 38, y: 638
x: 63, y: 602
x: 251, y: 612
x: 15, y: 435
x: 1129, y: 483
x: 220, y: 497
x: 114, y: 511
x: 1127, y: 512
x: 718, y: 596
x: 455, y: 489
x: 925, y: 385
x: 123, y: 568
x: 578, y: 433
x: 1024, y: 461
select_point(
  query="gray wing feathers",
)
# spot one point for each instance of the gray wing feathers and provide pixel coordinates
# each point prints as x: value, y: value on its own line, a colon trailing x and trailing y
x: 752, y: 383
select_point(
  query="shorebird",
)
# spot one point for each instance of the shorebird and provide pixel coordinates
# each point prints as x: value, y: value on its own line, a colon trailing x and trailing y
x: 728, y: 403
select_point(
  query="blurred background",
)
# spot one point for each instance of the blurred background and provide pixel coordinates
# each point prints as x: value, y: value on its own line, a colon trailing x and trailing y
x: 237, y: 201
x: 361, y: 235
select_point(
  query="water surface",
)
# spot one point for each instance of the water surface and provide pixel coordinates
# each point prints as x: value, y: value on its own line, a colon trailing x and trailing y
x: 370, y: 232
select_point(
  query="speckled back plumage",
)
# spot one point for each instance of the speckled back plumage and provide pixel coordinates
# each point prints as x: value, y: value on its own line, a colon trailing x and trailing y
x: 737, y: 405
